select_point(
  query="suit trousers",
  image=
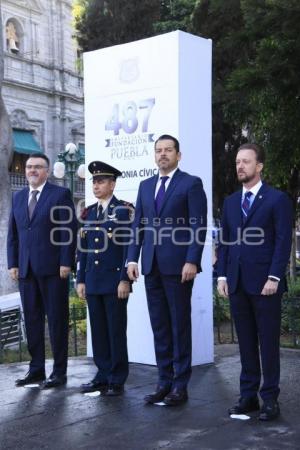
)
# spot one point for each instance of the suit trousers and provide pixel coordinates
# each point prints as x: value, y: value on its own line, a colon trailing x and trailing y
x: 169, y: 304
x: 257, y: 321
x: 46, y: 295
x: 108, y: 318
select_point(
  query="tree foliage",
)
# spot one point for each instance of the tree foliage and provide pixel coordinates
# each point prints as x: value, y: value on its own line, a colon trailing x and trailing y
x: 223, y: 23
x: 256, y: 62
x: 269, y: 85
x: 174, y: 15
x: 101, y: 23
x: 256, y: 66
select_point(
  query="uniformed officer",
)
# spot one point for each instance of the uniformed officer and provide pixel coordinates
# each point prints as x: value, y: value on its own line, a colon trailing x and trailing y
x: 103, y: 281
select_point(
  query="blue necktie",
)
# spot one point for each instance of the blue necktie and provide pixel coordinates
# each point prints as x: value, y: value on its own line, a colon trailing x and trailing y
x: 160, y: 194
x: 246, y: 205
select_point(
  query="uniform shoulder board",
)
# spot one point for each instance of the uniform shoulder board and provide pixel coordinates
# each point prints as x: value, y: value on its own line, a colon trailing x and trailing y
x: 85, y: 212
x: 130, y: 205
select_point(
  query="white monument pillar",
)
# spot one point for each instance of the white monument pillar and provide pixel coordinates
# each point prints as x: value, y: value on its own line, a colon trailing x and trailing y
x: 134, y: 93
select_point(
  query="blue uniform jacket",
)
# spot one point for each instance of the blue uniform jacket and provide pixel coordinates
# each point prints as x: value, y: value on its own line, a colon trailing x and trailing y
x: 102, y: 248
x: 48, y: 240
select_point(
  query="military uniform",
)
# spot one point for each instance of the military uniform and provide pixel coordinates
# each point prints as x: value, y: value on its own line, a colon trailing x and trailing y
x: 101, y: 260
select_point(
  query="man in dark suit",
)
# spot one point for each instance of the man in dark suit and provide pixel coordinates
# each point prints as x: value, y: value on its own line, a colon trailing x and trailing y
x: 170, y: 226
x: 102, y: 279
x: 41, y: 246
x: 253, y: 253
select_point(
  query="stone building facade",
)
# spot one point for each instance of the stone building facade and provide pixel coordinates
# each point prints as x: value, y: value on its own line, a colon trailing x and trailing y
x: 43, y: 85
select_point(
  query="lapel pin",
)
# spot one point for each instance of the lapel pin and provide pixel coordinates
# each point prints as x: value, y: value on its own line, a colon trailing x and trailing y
x: 260, y: 196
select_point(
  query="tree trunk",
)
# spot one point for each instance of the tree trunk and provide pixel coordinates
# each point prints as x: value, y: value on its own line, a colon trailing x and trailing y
x: 6, y: 285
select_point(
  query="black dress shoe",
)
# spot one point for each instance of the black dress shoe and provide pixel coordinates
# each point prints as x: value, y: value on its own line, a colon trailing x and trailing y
x: 31, y: 378
x: 245, y: 405
x: 54, y: 381
x: 176, y: 397
x: 115, y: 389
x: 158, y: 395
x: 269, y: 411
x: 93, y: 386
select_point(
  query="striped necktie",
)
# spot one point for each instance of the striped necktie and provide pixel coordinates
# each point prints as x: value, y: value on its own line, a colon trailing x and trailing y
x: 246, y: 205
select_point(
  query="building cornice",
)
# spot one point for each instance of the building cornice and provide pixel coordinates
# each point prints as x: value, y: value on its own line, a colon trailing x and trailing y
x: 31, y: 87
x: 29, y: 5
x: 44, y: 65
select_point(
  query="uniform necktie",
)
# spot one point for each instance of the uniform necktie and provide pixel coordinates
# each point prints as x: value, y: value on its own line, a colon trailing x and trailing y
x: 246, y: 205
x: 99, y: 211
x: 32, y: 203
x: 160, y: 194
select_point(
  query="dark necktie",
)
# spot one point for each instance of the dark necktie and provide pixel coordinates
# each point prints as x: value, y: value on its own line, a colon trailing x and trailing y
x: 99, y: 212
x: 246, y: 204
x: 160, y: 194
x: 32, y: 203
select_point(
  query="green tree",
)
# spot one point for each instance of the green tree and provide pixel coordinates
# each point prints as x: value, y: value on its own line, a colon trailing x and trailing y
x: 174, y: 15
x: 256, y: 62
x: 269, y: 86
x: 102, y: 23
x: 223, y: 23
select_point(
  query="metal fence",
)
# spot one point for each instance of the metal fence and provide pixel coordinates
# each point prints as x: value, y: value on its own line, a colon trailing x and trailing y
x: 224, y: 330
x: 13, y: 337
x: 18, y: 181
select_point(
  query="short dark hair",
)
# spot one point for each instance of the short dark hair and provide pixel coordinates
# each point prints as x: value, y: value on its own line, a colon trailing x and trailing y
x: 259, y: 151
x: 40, y: 155
x: 164, y: 137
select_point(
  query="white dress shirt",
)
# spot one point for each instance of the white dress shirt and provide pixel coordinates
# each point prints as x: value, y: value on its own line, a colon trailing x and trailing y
x: 170, y: 175
x: 40, y: 188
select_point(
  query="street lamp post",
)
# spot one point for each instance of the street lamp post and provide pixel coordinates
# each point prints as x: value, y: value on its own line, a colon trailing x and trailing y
x: 67, y: 163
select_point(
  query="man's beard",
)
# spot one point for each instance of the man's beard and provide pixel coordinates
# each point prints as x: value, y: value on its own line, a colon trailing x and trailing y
x: 246, y: 178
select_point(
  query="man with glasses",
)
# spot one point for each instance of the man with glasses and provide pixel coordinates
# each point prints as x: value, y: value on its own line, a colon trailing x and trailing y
x: 41, y: 249
x: 170, y: 227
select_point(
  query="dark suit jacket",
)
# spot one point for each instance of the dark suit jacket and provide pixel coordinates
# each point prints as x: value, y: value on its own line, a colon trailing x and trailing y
x: 40, y: 242
x: 261, y: 246
x: 177, y: 234
x: 102, y: 251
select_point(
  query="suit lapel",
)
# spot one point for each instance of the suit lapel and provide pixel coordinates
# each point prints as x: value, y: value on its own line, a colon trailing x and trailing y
x: 258, y: 201
x: 237, y: 209
x: 173, y: 183
x: 152, y: 193
x: 24, y: 206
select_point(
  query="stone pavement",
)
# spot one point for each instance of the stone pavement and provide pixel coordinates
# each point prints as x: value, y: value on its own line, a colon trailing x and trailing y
x: 64, y: 419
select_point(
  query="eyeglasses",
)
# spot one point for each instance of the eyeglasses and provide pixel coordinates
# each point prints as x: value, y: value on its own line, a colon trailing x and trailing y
x: 35, y: 167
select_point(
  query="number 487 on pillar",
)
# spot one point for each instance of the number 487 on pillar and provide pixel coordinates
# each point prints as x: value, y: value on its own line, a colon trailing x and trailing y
x: 129, y: 116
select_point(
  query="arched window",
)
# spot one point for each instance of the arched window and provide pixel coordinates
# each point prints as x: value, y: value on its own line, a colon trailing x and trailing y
x: 14, y: 36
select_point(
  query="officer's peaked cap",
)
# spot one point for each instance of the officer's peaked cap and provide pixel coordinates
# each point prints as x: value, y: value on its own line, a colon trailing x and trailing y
x: 101, y: 170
